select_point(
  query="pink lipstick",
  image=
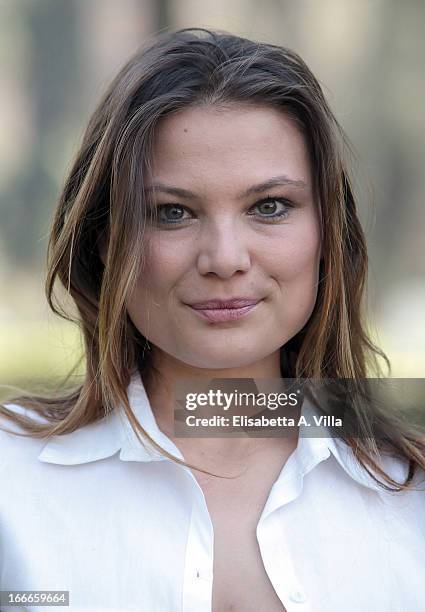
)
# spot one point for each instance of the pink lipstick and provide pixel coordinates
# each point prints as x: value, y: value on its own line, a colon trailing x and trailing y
x: 221, y: 311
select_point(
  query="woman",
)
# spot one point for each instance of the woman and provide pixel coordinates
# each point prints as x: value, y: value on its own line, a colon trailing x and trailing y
x: 208, y: 230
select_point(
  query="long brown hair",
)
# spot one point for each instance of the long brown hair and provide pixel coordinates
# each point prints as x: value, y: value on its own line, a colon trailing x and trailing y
x: 103, y: 201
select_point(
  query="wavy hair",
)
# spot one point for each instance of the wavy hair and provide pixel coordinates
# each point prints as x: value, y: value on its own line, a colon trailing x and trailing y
x: 104, y: 202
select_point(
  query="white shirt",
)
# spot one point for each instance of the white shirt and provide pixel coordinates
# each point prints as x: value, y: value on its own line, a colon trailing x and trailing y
x: 123, y: 528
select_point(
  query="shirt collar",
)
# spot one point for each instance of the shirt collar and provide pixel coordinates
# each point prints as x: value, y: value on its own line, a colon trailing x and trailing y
x: 113, y: 434
x: 323, y: 446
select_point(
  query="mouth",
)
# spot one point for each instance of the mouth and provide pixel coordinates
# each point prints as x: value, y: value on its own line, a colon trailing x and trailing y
x: 224, y: 313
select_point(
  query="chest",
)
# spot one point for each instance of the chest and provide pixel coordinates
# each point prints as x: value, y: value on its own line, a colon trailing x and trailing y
x: 240, y: 581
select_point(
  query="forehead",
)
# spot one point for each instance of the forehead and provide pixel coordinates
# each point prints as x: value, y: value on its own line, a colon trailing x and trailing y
x: 239, y: 142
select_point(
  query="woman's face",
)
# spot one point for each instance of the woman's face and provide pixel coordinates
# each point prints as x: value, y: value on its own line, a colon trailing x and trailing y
x: 236, y: 218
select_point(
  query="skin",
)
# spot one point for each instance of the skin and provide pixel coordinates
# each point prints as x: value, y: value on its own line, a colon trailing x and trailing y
x: 219, y: 250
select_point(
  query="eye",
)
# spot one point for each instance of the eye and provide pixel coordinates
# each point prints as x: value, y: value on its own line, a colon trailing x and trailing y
x: 272, y: 209
x: 171, y: 213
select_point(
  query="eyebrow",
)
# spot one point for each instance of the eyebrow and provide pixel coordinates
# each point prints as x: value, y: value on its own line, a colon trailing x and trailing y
x: 274, y: 181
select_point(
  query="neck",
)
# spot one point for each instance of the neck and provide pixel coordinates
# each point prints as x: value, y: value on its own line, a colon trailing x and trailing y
x: 160, y: 390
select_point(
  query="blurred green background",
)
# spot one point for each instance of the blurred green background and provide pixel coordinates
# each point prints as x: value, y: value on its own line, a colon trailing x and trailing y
x: 57, y: 56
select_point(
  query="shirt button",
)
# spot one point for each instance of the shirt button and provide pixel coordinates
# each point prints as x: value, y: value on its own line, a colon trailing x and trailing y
x: 203, y: 574
x: 298, y: 596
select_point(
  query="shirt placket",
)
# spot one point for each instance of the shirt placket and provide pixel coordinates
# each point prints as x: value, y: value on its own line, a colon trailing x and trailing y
x: 279, y: 566
x: 275, y: 553
x: 198, y: 570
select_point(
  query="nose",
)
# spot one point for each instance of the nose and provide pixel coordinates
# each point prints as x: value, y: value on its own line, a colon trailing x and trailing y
x: 223, y: 250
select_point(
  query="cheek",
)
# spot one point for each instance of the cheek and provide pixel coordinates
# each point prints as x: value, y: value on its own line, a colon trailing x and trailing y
x: 294, y: 266
x: 294, y: 258
x: 165, y: 264
x: 150, y: 303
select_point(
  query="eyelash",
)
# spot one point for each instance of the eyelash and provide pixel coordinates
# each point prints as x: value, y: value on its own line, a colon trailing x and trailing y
x: 267, y: 219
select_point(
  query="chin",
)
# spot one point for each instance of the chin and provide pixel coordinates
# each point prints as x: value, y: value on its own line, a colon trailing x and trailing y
x: 220, y: 362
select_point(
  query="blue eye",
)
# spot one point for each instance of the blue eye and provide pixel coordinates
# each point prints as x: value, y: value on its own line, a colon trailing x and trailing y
x: 174, y: 211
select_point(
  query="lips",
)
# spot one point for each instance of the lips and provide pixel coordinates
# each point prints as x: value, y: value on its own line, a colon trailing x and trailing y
x: 224, y: 311
x: 224, y: 304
